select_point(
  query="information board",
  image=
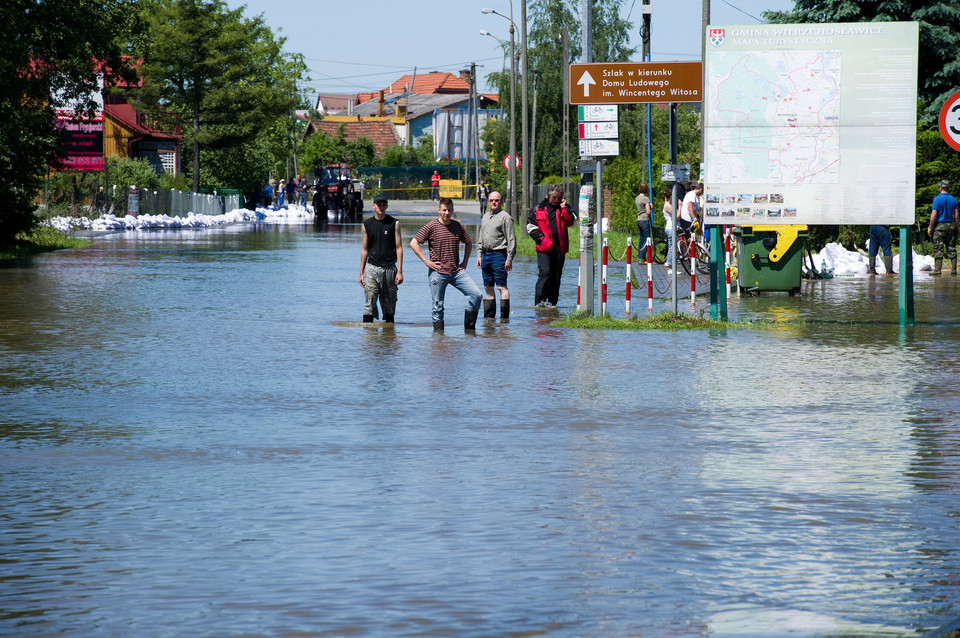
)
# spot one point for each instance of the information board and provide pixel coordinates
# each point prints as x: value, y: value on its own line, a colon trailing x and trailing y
x: 811, y: 123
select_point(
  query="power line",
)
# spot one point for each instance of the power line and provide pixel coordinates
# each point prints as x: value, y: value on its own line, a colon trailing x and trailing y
x: 742, y: 11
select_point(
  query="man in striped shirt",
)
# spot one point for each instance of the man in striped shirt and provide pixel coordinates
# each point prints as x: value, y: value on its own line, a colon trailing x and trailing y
x: 444, y: 236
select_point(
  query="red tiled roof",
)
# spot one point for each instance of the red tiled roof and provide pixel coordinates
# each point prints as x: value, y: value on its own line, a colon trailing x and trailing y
x: 435, y: 82
x: 379, y: 132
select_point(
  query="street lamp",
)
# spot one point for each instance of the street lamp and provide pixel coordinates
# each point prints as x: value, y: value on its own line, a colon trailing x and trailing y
x: 512, y: 165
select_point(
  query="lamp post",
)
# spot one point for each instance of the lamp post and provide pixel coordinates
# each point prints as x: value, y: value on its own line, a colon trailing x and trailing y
x: 512, y: 164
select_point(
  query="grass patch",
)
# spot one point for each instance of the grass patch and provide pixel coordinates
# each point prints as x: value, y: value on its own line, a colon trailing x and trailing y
x: 41, y: 240
x: 662, y: 321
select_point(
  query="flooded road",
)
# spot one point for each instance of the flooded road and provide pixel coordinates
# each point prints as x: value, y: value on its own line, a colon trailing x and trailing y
x: 197, y: 439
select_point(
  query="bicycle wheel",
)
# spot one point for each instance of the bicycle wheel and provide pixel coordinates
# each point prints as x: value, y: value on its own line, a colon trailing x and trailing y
x: 683, y: 253
x: 703, y: 259
x: 659, y: 251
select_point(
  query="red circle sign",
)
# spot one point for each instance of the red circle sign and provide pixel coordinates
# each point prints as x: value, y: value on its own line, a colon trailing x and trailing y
x: 950, y: 121
x: 506, y: 161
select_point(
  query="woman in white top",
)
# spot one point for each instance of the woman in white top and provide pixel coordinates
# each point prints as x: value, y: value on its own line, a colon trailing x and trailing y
x: 668, y: 224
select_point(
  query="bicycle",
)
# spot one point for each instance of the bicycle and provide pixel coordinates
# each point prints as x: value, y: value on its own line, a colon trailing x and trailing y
x: 687, y: 242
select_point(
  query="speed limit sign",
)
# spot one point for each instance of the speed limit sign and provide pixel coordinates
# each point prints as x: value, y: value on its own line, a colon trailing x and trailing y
x: 506, y: 161
x: 950, y: 121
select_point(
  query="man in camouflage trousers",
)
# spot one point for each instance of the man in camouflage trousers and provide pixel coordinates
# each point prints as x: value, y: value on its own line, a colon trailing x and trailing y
x: 944, y: 222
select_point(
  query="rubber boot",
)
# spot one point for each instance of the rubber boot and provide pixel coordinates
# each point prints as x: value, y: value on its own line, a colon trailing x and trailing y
x: 387, y: 318
x: 888, y: 264
x: 872, y: 268
x: 937, y: 266
x: 489, y: 308
x: 504, y: 311
x: 470, y: 319
x: 438, y: 326
x: 367, y: 318
x: 953, y: 267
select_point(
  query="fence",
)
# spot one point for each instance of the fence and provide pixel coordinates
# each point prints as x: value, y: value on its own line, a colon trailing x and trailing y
x: 168, y: 202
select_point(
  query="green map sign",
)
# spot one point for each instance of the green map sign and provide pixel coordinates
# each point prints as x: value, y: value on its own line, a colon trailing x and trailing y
x: 811, y: 123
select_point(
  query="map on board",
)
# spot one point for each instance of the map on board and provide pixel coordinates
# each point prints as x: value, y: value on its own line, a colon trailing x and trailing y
x: 810, y: 123
x: 776, y: 116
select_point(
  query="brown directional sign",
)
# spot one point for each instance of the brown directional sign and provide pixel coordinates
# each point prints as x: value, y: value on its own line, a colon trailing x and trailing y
x: 636, y: 82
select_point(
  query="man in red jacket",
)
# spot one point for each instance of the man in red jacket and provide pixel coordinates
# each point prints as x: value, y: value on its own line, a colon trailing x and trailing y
x: 547, y: 224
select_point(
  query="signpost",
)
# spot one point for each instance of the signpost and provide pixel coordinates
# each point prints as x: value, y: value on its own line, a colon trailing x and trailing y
x: 601, y: 83
x: 674, y: 172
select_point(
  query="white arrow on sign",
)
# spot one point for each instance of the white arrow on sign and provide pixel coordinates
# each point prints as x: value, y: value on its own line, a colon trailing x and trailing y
x: 586, y: 80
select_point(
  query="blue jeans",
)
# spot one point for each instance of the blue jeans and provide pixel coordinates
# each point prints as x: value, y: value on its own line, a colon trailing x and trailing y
x: 459, y: 280
x: 493, y: 267
x: 880, y: 237
x: 644, y: 230
x: 671, y: 251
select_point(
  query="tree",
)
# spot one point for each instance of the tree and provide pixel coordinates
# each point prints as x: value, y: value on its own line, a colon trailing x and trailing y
x: 939, y: 65
x: 320, y: 149
x: 48, y: 61
x: 610, y: 37
x: 223, y: 74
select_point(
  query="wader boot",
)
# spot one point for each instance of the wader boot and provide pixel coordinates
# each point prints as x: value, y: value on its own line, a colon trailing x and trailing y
x: 953, y: 267
x: 937, y: 266
x: 438, y: 326
x: 504, y: 311
x: 489, y: 308
x: 367, y: 318
x: 888, y: 264
x: 387, y: 318
x: 470, y: 319
x: 872, y: 268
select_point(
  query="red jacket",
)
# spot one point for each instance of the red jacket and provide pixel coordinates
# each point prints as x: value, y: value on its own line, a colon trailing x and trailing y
x: 553, y: 224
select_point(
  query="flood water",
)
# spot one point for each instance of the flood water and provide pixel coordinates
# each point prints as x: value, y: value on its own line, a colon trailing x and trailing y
x: 196, y: 439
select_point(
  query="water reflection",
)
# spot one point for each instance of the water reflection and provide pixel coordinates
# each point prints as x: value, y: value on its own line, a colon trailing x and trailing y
x: 196, y: 433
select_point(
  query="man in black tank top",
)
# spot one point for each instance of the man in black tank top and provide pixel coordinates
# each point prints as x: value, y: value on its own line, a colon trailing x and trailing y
x: 381, y: 262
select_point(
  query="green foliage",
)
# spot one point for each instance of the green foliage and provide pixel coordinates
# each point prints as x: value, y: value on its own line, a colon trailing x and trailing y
x: 935, y: 161
x: 39, y: 240
x: 132, y: 172
x: 939, y: 65
x: 226, y: 78
x: 320, y: 149
x: 47, y: 58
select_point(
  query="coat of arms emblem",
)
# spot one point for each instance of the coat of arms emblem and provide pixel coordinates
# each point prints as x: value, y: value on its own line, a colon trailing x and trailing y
x: 717, y: 36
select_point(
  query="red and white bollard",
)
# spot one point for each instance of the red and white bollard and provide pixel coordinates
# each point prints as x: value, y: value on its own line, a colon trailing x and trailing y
x: 650, y: 274
x: 726, y: 257
x: 578, y: 283
x: 629, y: 269
x: 603, y: 280
x: 693, y: 272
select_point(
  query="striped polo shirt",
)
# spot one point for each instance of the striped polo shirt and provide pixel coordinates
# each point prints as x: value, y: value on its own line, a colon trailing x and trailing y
x: 444, y: 242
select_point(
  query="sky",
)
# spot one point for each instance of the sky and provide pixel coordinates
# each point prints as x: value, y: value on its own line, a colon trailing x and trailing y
x: 363, y: 46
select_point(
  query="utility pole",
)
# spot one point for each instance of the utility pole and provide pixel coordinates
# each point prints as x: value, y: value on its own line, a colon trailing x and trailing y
x: 467, y: 137
x: 645, y: 133
x: 512, y: 164
x: 586, y: 229
x: 533, y: 138
x: 527, y: 166
x: 566, y: 109
x: 703, y: 61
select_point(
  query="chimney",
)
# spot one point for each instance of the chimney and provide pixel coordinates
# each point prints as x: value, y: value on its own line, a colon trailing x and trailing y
x: 465, y: 75
x: 380, y: 105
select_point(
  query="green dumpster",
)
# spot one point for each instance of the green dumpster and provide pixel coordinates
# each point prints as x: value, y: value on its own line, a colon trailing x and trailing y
x: 770, y: 258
